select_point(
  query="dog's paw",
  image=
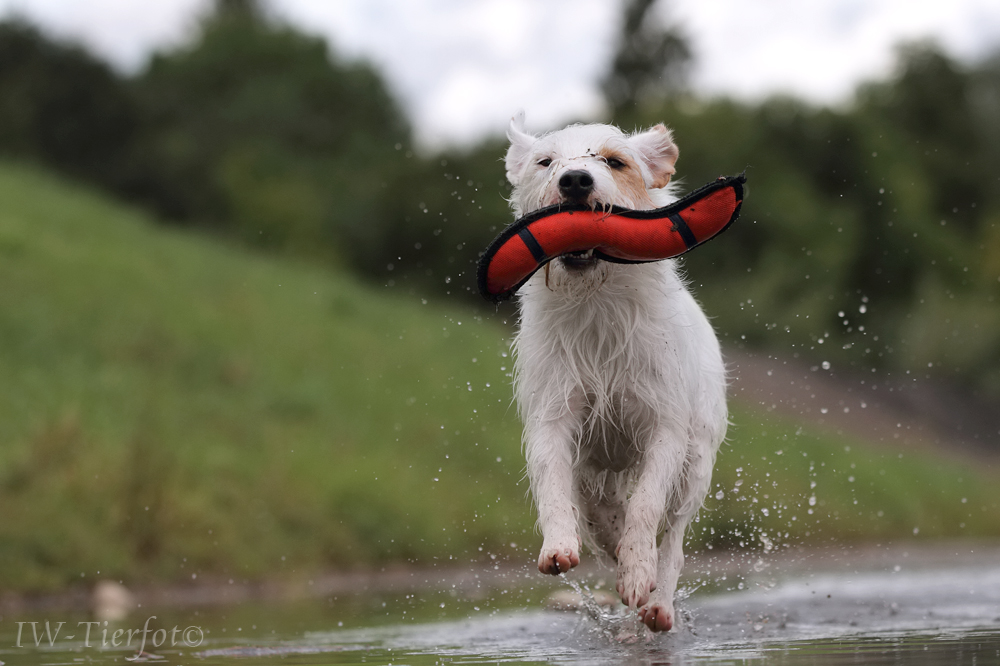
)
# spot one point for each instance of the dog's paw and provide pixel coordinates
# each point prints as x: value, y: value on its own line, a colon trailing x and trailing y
x: 558, y: 557
x: 636, y: 573
x: 658, y: 614
x: 635, y: 590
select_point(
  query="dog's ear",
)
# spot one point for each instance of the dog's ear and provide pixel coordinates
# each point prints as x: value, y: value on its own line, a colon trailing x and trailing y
x: 520, y: 146
x: 658, y: 151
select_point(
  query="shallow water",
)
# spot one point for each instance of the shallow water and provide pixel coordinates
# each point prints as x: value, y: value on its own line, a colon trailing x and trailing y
x: 942, y: 610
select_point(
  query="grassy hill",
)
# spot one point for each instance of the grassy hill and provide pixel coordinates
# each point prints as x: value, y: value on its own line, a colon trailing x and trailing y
x: 171, y: 407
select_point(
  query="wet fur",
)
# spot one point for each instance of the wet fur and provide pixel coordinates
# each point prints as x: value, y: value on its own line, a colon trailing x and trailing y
x: 618, y: 376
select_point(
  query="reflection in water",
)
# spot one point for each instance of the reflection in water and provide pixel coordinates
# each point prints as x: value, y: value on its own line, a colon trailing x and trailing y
x: 540, y: 637
x: 937, y: 615
x: 894, y: 616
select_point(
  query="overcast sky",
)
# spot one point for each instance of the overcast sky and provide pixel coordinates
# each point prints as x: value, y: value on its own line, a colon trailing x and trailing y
x: 463, y: 67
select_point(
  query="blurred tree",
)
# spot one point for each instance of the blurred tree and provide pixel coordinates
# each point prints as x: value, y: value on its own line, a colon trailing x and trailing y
x: 258, y: 128
x: 650, y: 63
x: 445, y: 211
x: 984, y: 97
x: 869, y: 237
x: 869, y: 234
x: 929, y: 100
x: 63, y: 107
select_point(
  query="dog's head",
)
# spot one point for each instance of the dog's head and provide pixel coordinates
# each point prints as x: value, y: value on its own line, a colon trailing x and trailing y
x: 595, y: 165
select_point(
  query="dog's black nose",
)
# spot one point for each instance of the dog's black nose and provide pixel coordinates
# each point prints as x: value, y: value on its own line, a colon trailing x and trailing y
x: 576, y: 185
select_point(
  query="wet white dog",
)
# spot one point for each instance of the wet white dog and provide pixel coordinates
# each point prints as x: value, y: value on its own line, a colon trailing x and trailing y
x: 618, y: 375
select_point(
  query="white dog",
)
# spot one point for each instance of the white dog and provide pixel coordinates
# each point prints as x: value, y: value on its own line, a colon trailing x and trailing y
x: 618, y: 375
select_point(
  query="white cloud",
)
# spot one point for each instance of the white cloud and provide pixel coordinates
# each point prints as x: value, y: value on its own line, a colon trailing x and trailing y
x: 821, y: 49
x: 464, y: 68
x: 123, y: 31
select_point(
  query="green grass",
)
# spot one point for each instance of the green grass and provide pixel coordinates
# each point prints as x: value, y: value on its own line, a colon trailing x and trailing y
x: 172, y: 406
x: 797, y: 484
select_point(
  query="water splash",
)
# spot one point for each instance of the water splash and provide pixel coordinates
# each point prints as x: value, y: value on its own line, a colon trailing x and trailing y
x: 617, y: 624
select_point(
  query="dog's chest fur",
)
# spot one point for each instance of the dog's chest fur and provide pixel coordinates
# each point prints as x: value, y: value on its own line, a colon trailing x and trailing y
x: 611, y: 352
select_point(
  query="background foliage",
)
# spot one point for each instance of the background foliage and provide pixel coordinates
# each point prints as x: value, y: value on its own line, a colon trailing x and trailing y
x: 887, y: 211
x: 173, y: 407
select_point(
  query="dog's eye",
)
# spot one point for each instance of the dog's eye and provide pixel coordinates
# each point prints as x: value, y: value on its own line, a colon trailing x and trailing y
x: 544, y: 162
x: 615, y: 163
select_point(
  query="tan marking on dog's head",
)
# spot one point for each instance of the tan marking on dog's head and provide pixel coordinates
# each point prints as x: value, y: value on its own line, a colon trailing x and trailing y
x: 628, y: 179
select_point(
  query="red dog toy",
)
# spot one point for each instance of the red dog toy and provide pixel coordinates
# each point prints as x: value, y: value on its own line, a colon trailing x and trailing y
x: 617, y: 234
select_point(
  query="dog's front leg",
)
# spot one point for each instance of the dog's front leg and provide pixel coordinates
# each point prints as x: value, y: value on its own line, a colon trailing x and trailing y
x: 658, y: 613
x: 549, y: 449
x: 662, y: 465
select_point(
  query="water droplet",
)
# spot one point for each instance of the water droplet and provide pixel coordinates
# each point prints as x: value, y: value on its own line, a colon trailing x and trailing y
x: 719, y: 495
